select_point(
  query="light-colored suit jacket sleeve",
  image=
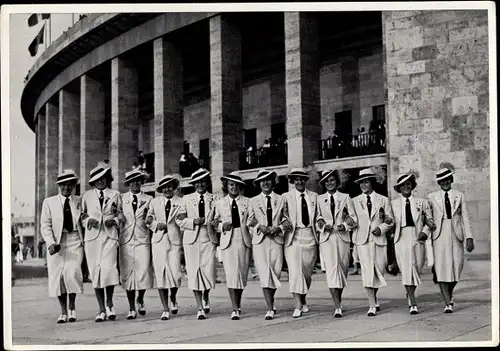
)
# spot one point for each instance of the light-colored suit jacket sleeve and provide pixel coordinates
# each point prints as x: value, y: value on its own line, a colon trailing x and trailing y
x: 186, y: 223
x: 46, y: 224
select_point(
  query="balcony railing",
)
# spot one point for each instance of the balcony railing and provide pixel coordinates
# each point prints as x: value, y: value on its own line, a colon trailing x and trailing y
x: 274, y: 155
x: 187, y: 167
x: 352, y: 145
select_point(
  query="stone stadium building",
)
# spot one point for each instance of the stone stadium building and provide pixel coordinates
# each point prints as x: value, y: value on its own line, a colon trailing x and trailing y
x: 398, y: 89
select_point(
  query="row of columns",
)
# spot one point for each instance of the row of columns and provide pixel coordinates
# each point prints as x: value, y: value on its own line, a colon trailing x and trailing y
x: 71, y: 134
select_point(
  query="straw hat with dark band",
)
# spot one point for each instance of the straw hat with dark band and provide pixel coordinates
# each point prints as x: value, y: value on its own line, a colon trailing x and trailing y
x: 234, y: 177
x: 199, y: 174
x: 326, y: 174
x: 444, y: 173
x: 132, y: 175
x: 264, y: 174
x: 297, y: 172
x: 165, y: 180
x: 365, y: 174
x: 402, y: 179
x: 68, y: 175
x: 99, y: 172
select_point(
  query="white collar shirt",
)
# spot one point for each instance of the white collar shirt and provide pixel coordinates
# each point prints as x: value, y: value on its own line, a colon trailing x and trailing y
x: 298, y: 202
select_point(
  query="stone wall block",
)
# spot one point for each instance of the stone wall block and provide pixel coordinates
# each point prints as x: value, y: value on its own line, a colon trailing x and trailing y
x: 464, y: 105
x: 427, y: 52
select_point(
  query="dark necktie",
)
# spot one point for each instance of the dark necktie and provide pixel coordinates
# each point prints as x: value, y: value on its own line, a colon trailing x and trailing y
x: 369, y: 205
x: 447, y: 205
x: 332, y: 207
x: 201, y: 207
x: 269, y: 212
x: 134, y: 203
x: 235, y: 216
x: 409, y: 217
x: 305, y: 211
x: 68, y: 218
x: 101, y: 197
x: 167, y: 210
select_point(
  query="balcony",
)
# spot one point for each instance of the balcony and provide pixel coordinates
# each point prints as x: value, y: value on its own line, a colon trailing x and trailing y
x: 352, y: 145
x: 274, y: 155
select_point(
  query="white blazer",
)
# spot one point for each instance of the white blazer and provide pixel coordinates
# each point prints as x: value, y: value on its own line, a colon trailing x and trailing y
x: 157, y: 213
x: 342, y: 201
x: 52, y: 218
x: 366, y: 223
x: 419, y: 213
x: 223, y: 212
x: 135, y: 222
x: 291, y: 213
x: 189, y: 207
x: 460, y: 220
x: 111, y: 209
x: 257, y: 209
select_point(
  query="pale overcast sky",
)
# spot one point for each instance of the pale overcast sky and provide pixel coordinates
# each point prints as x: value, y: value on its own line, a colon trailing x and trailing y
x: 22, y: 138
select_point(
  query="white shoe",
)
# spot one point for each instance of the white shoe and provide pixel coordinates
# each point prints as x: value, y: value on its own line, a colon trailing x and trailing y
x: 448, y: 309
x: 235, y: 316
x: 269, y: 315
x: 305, y: 309
x: 175, y: 308
x: 71, y: 316
x: 201, y: 314
x: 62, y: 319
x: 110, y: 312
x: 165, y: 315
x: 372, y: 311
x: 413, y: 310
x: 206, y: 306
x: 338, y: 313
x: 101, y: 317
x: 132, y: 314
x: 297, y: 313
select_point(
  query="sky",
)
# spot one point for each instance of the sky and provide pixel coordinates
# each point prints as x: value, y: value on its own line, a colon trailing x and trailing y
x: 22, y: 141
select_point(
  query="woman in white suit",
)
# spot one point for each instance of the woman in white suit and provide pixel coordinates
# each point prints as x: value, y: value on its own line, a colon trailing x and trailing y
x: 230, y: 215
x: 336, y: 216
x: 375, y: 219
x: 265, y: 223
x: 453, y: 227
x: 301, y: 240
x: 101, y: 213
x: 199, y: 245
x: 135, y: 243
x: 410, y: 233
x: 62, y: 231
x: 166, y: 243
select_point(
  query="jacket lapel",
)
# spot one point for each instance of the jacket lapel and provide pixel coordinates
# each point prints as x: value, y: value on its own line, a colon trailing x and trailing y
x: 261, y: 206
x: 58, y: 214
x: 456, y: 202
x: 439, y: 201
x: 339, y: 205
x: 377, y: 200
x: 415, y: 212
x: 313, y: 204
x: 292, y: 208
x: 75, y: 208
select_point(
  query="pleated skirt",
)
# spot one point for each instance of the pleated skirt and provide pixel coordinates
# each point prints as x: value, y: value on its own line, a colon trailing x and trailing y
x: 102, y: 259
x: 236, y: 259
x: 268, y: 260
x: 200, y: 262
x: 448, y: 254
x: 335, y: 253
x: 373, y: 260
x: 167, y: 264
x: 410, y: 255
x: 301, y: 257
x: 135, y: 266
x: 65, y: 267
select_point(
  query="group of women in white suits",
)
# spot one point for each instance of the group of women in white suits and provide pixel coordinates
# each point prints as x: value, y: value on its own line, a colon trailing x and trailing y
x: 151, y: 232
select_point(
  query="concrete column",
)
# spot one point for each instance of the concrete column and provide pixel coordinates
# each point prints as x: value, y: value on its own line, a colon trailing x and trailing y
x: 39, y: 174
x: 93, y: 148
x: 302, y: 88
x: 69, y: 130
x: 168, y: 107
x: 124, y: 119
x: 226, y: 92
x: 51, y: 148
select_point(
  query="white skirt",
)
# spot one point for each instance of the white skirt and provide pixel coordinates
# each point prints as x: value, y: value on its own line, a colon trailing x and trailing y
x: 167, y: 264
x: 236, y: 258
x: 410, y: 255
x: 301, y: 257
x: 268, y: 260
x: 65, y: 267
x: 135, y: 266
x: 102, y: 258
x: 200, y: 262
x: 373, y: 260
x: 335, y: 253
x: 448, y: 254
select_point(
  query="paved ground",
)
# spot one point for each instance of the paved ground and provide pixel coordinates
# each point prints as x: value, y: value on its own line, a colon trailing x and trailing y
x: 34, y: 316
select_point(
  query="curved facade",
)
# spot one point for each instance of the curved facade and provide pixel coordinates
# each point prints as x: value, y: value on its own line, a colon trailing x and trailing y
x: 396, y: 89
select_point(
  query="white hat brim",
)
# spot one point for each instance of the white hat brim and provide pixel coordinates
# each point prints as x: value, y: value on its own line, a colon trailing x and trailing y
x: 100, y: 175
x: 201, y: 176
x: 143, y: 176
x: 68, y: 180
x: 368, y: 176
x: 262, y: 177
x: 445, y: 176
x: 233, y: 180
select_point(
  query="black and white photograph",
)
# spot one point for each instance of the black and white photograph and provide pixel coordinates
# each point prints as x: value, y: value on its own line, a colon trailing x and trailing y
x: 249, y: 175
